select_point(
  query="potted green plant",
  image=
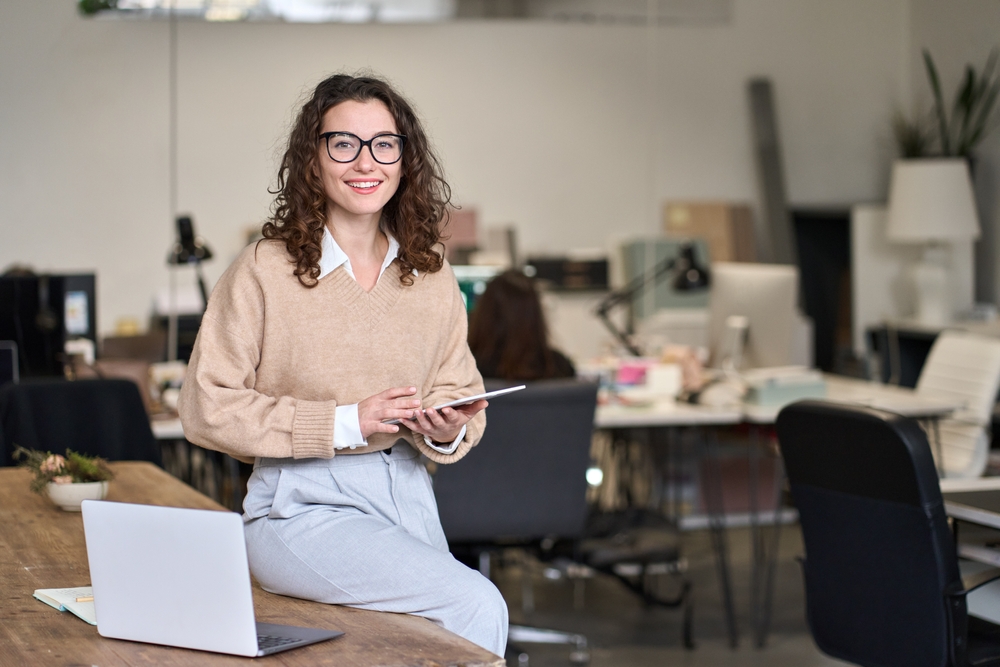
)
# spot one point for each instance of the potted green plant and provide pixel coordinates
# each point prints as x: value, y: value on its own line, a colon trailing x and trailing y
x: 67, y: 480
x: 955, y: 131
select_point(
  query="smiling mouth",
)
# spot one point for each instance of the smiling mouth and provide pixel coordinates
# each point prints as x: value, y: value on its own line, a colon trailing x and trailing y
x: 364, y: 185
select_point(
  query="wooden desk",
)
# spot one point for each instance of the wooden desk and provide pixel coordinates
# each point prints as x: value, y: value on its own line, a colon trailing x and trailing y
x: 42, y: 546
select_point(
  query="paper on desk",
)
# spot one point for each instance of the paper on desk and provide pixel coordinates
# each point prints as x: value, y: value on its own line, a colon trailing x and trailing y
x: 64, y: 599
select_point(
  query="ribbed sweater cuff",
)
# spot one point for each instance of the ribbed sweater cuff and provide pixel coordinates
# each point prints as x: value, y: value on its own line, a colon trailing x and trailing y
x: 312, y: 429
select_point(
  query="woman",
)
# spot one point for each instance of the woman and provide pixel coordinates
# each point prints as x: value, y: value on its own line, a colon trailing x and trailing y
x: 507, y: 332
x: 342, y: 318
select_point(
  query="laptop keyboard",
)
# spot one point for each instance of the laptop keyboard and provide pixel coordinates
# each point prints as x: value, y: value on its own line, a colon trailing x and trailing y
x: 272, y: 641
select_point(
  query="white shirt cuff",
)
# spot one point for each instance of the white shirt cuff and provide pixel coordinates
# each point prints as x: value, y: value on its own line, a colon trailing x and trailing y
x: 450, y: 448
x: 347, y: 428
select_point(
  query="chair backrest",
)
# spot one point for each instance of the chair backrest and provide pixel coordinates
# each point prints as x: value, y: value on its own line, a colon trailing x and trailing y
x: 879, y: 554
x: 526, y: 479
x: 963, y: 367
x: 95, y: 417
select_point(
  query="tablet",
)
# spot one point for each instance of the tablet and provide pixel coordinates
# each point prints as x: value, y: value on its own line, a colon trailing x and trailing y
x: 468, y: 399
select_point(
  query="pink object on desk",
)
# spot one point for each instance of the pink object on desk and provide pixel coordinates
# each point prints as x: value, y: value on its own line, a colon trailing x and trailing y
x: 632, y: 372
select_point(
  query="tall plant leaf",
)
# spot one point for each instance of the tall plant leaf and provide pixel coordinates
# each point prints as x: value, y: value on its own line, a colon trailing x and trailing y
x: 942, y: 117
x: 961, y: 114
x: 984, y: 120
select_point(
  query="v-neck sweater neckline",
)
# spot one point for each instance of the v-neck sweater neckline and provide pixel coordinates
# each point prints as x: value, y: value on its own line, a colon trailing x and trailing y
x: 379, y: 300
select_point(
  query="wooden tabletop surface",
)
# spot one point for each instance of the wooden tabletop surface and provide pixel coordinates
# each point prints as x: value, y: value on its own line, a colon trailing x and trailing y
x: 42, y: 546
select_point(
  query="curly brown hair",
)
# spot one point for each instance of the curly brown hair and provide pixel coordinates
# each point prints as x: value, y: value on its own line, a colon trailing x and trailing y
x: 413, y: 214
x: 507, y: 332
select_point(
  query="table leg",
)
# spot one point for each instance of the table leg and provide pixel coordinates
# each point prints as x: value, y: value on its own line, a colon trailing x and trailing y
x: 717, y: 530
x: 779, y: 478
x: 675, y: 444
x: 764, y: 556
x: 756, y: 546
x: 935, y: 429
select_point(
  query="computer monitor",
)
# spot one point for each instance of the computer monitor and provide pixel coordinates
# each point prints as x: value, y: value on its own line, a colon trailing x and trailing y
x: 765, y: 296
x: 472, y: 281
x: 41, y: 312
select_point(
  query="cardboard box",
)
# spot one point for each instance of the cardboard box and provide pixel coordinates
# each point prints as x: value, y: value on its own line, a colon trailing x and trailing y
x: 727, y: 228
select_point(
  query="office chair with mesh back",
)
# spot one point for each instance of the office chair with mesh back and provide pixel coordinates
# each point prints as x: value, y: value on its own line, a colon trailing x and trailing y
x: 104, y: 418
x: 881, y: 572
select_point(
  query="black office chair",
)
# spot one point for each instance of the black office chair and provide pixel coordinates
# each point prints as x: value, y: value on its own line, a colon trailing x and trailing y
x: 524, y: 482
x: 525, y: 485
x: 104, y: 418
x: 881, y: 572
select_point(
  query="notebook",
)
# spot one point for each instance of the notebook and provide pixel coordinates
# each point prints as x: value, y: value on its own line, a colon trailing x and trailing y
x: 179, y: 577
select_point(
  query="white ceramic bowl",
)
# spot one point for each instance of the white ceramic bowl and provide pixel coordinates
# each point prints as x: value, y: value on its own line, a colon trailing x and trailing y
x: 69, y: 496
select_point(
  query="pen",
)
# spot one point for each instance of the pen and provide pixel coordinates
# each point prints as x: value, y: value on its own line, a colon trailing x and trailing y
x: 86, y: 598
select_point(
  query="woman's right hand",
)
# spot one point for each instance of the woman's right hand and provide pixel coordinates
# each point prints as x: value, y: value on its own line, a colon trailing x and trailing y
x: 395, y: 403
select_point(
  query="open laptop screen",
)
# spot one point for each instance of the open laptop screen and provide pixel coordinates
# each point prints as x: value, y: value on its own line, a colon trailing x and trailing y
x: 178, y: 577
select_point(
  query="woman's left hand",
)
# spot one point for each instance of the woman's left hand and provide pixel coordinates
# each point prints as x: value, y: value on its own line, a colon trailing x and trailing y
x: 444, y: 425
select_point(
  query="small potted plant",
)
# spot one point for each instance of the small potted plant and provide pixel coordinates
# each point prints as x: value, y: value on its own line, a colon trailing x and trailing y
x: 68, y: 480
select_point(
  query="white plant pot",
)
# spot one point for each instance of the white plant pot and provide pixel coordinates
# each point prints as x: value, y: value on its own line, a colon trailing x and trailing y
x: 69, y: 496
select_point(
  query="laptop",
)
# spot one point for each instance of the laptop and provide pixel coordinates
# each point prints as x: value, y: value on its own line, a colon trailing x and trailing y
x: 179, y: 577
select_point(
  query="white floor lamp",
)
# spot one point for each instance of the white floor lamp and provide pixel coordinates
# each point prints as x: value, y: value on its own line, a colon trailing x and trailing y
x: 931, y: 204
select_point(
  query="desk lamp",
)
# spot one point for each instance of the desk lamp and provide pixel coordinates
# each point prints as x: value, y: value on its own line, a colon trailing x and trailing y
x: 188, y: 250
x: 689, y: 276
x: 931, y: 204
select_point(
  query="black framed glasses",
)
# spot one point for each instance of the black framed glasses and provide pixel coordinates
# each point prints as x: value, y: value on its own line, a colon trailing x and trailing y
x: 346, y: 147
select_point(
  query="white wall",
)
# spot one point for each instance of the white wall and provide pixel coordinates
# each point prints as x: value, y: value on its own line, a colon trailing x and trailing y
x: 574, y: 133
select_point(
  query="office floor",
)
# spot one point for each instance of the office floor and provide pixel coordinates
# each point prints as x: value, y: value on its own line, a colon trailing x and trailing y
x: 622, y: 632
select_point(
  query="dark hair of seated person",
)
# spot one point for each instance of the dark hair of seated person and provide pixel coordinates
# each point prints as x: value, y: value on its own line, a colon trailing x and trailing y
x: 507, y: 332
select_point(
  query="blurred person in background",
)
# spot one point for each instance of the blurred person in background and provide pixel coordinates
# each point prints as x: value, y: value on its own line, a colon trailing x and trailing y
x: 508, y: 335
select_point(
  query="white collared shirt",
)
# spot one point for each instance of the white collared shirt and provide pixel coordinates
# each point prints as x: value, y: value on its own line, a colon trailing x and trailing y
x: 333, y: 256
x: 347, y: 425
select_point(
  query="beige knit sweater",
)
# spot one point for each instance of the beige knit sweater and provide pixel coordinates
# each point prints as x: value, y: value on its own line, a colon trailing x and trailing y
x: 273, y: 359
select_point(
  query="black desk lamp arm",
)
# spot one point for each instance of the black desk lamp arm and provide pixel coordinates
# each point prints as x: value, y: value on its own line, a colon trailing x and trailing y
x: 626, y: 295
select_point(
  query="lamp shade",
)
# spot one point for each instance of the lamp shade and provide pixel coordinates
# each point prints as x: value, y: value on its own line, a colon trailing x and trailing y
x: 931, y: 200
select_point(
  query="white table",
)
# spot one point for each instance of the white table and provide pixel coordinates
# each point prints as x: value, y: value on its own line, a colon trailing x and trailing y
x: 899, y: 400
x: 167, y: 429
x: 840, y: 389
x: 853, y: 391
x: 664, y: 414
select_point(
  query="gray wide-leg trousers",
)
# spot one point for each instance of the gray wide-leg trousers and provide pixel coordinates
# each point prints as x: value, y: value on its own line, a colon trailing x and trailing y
x: 362, y: 530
